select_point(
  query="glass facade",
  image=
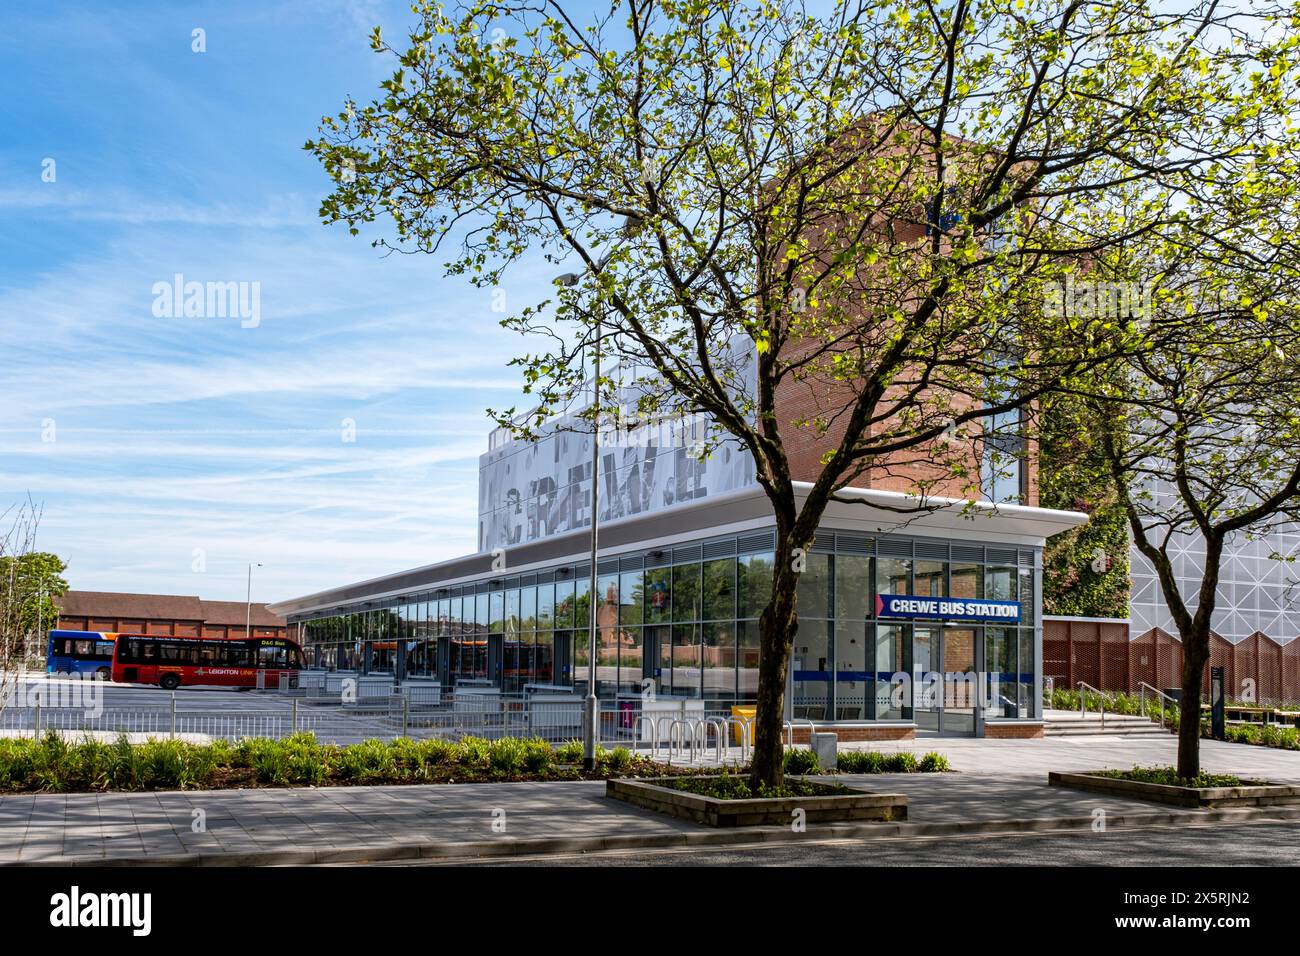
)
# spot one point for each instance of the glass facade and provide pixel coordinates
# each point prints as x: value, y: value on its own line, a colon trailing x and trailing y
x: 684, y: 622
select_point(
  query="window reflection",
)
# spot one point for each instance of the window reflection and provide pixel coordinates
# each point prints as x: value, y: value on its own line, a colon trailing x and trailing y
x: 692, y: 627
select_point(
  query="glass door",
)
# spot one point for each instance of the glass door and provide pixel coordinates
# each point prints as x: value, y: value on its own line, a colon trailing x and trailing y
x: 960, y: 682
x: 927, y: 705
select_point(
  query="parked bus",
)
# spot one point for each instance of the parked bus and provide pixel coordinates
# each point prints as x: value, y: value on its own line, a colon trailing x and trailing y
x: 170, y: 662
x: 80, y: 652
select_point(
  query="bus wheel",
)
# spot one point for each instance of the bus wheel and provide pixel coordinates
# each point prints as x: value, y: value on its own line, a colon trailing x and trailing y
x: 169, y: 681
x: 103, y: 674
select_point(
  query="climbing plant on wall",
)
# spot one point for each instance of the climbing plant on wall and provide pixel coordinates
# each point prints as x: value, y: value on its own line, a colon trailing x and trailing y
x: 1086, y: 570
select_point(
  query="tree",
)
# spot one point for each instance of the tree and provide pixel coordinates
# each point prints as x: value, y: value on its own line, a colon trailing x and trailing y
x: 1201, y: 435
x: 30, y: 580
x: 36, y: 579
x: 859, y: 207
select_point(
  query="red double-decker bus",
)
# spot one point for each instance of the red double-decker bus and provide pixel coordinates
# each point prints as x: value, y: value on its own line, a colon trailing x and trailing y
x: 171, y: 662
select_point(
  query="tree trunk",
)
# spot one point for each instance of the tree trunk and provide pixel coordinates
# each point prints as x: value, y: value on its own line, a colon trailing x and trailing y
x: 777, y: 628
x: 1196, y: 651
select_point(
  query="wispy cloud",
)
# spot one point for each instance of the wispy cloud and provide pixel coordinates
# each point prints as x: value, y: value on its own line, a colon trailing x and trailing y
x: 336, y: 440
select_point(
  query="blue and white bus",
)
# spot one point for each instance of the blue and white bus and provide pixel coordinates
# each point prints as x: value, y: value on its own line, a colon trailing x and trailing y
x: 80, y: 652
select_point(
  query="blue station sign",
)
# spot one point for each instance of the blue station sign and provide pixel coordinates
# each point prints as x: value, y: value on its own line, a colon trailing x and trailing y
x: 949, y: 609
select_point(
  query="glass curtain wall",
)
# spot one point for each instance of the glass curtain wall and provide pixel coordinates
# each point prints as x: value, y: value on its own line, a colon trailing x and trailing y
x: 691, y: 627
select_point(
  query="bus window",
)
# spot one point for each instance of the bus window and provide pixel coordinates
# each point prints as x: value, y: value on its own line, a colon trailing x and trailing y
x: 272, y: 657
x: 104, y: 649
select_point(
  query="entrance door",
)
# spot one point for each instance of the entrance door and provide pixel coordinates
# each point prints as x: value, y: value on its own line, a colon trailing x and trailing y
x: 960, y: 683
x: 444, y: 661
x: 927, y: 703
x: 564, y: 657
x: 495, y: 659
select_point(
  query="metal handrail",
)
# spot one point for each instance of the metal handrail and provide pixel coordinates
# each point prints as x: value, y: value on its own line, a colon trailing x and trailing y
x: 1143, y: 687
x: 1083, y: 702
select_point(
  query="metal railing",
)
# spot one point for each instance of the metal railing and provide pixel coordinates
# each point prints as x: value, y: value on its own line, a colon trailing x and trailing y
x: 695, y: 731
x: 1083, y: 702
x: 1143, y: 687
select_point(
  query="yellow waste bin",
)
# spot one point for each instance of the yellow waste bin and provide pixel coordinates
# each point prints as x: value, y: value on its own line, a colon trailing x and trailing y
x: 747, y: 715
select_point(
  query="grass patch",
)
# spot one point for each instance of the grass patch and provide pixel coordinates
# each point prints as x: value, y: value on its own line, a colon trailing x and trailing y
x: 902, y: 761
x: 1168, y: 776
x: 731, y: 786
x: 53, y: 764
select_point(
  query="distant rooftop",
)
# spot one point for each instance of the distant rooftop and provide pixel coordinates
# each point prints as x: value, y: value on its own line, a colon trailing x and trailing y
x: 163, y: 607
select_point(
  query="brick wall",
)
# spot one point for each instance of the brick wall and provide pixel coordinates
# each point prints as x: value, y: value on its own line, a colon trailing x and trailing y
x: 1100, y: 653
x: 161, y: 627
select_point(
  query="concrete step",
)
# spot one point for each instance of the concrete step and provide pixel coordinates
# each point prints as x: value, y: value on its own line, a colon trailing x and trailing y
x: 1070, y: 724
x: 1111, y: 730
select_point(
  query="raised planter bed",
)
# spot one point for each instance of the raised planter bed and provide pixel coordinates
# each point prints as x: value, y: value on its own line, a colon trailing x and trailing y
x: 827, y: 807
x: 1250, y: 794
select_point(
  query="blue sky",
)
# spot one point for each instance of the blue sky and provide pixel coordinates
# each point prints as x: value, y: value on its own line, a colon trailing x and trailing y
x: 168, y: 452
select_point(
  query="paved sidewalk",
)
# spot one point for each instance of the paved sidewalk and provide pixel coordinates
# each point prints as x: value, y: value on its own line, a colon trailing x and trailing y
x: 1003, y: 788
x: 1100, y: 752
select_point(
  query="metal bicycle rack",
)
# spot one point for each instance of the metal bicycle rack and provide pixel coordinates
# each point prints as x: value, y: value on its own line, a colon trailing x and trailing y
x: 687, y: 738
x: 788, y: 725
x: 743, y: 724
x: 719, y: 726
x: 659, y: 730
x: 654, y: 734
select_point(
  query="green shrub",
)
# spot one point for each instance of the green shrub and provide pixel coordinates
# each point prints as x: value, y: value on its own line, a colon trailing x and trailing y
x: 570, y: 752
x: 15, y: 762
x: 801, y: 762
x: 620, y: 758
x: 538, y: 755
x: 243, y: 755
x: 88, y: 765
x: 223, y: 752
x: 408, y: 758
x: 268, y: 759
x: 123, y: 765
x: 507, y: 755
x: 731, y: 786
x: 904, y: 761
x: 1169, y: 777
x: 173, y: 764
x: 368, y: 760
x: 861, y: 761
x: 305, y: 761
x: 50, y: 758
x: 437, y: 752
x: 933, y: 763
x: 474, y: 751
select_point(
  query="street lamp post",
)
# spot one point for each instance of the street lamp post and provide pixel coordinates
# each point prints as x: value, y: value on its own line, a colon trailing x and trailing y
x: 591, y: 706
x: 248, y: 606
x: 591, y: 724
